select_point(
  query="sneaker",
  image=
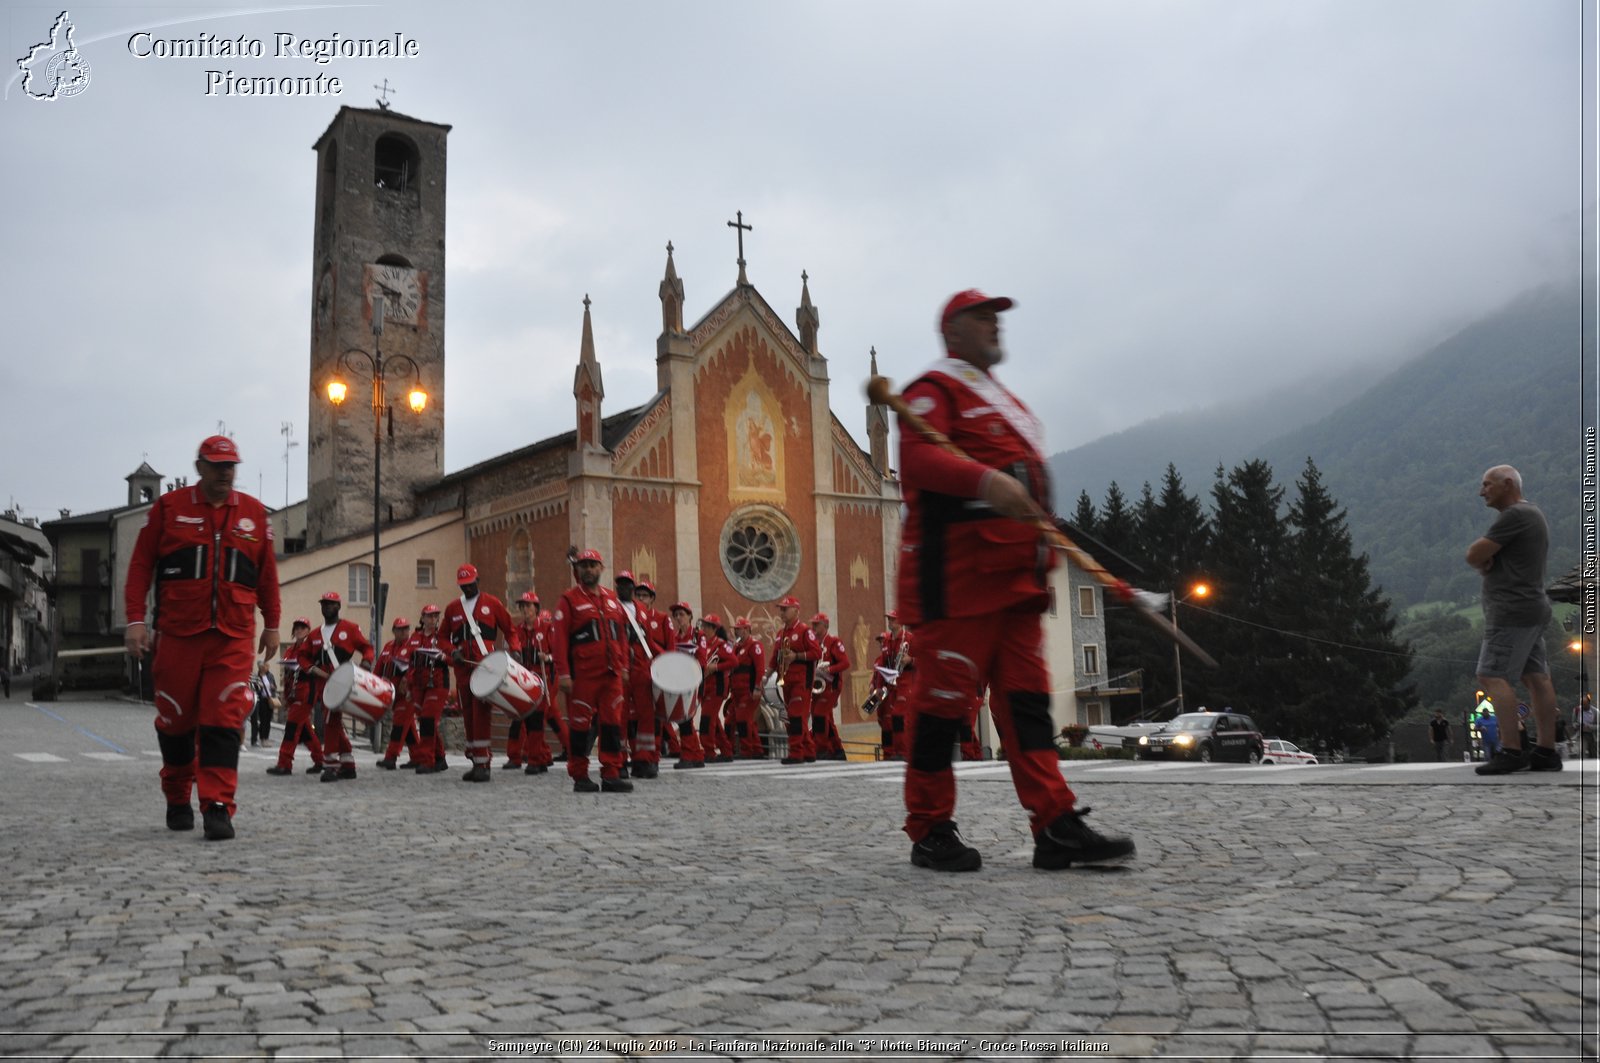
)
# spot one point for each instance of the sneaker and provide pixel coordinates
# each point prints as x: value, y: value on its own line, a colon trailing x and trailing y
x: 330, y: 775
x: 1539, y: 760
x: 387, y: 764
x: 585, y: 785
x: 511, y: 765
x: 347, y: 771
x: 684, y: 764
x: 1070, y: 841
x: 616, y: 786
x: 479, y: 773
x: 943, y: 850
x: 536, y: 769
x: 792, y: 760
x: 647, y: 770
x: 315, y: 769
x: 1504, y: 762
x: 219, y: 825
x: 409, y: 765
x: 275, y: 770
x: 180, y: 817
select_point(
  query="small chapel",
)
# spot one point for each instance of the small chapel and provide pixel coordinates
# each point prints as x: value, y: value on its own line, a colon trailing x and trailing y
x: 733, y: 485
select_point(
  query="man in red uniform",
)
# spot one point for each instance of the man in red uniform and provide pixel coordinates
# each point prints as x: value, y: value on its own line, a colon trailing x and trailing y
x: 795, y: 650
x: 394, y: 664
x: 645, y: 633
x: 325, y: 649
x: 973, y: 585
x: 297, y: 697
x: 518, y: 735
x: 208, y: 550
x: 429, y: 680
x: 681, y: 711
x: 897, y: 661
x: 720, y: 659
x: 832, y: 667
x: 750, y: 665
x: 591, y: 664
x: 476, y: 625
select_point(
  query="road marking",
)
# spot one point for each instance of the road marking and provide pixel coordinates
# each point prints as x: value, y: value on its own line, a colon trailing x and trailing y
x: 106, y: 756
x: 41, y: 758
x: 87, y: 734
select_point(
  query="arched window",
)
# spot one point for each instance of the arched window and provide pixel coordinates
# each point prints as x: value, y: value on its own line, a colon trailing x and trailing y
x: 395, y: 163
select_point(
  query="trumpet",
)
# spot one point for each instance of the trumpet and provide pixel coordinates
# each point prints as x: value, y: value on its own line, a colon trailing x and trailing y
x: 820, y: 682
x: 874, y: 700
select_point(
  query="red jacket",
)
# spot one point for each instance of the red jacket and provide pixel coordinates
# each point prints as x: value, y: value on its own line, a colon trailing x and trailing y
x: 837, y: 659
x: 346, y: 641
x: 394, y: 661
x: 804, y: 647
x: 751, y: 665
x: 296, y: 685
x: 212, y: 565
x: 492, y: 619
x: 430, y: 663
x: 958, y: 557
x: 589, y: 640
x: 714, y: 687
x: 657, y: 629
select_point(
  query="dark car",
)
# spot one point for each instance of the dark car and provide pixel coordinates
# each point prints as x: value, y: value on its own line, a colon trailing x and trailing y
x: 1204, y: 736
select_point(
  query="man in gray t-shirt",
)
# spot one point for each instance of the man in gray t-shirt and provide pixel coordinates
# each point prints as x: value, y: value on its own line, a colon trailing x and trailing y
x: 1511, y: 556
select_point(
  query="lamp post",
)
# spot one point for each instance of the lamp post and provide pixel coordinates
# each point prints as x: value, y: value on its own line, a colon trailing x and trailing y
x: 353, y: 361
x: 1199, y: 590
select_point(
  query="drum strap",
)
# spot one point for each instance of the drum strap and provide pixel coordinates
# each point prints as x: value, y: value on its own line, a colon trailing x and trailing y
x: 472, y: 626
x: 649, y: 654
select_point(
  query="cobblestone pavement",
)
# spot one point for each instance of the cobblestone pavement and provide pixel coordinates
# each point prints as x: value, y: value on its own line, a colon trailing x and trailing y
x: 747, y: 911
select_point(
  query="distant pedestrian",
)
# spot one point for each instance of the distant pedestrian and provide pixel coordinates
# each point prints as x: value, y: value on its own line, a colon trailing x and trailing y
x: 265, y: 689
x: 1511, y: 555
x: 1439, y: 731
x: 1585, y: 719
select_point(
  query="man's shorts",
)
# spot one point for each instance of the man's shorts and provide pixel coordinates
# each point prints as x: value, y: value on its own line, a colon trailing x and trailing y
x: 1512, y: 652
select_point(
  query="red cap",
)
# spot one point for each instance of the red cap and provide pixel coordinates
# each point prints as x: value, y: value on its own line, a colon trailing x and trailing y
x: 684, y: 606
x: 529, y: 597
x: 821, y: 618
x: 430, y: 610
x: 219, y: 450
x: 883, y: 636
x: 968, y: 299
x: 467, y: 574
x: 625, y: 575
x: 330, y: 596
x: 741, y: 621
x: 893, y: 614
x: 645, y: 585
x: 791, y: 602
x: 399, y: 622
x: 589, y: 555
x: 713, y: 619
x: 299, y: 621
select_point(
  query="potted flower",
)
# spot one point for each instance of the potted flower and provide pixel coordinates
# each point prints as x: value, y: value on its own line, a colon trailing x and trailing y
x: 1074, y: 733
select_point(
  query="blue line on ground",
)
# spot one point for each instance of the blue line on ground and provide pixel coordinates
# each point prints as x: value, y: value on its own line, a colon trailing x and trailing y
x: 87, y: 734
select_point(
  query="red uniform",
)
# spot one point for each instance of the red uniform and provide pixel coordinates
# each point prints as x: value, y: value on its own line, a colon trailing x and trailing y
x: 720, y: 658
x: 750, y: 667
x: 211, y: 566
x: 639, y: 697
x: 895, y: 658
x: 394, y: 664
x: 325, y: 649
x: 682, y: 712
x: 472, y: 637
x: 429, y: 680
x: 297, y: 727
x: 532, y: 749
x: 804, y: 649
x: 833, y: 667
x: 973, y: 585
x: 590, y: 649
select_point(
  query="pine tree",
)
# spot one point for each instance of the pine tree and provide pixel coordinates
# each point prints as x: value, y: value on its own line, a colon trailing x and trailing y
x: 1084, y: 516
x: 1116, y: 526
x: 1173, y: 532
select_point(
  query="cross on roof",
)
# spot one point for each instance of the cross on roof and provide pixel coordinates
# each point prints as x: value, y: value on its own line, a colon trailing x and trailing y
x: 741, y: 228
x: 383, y: 94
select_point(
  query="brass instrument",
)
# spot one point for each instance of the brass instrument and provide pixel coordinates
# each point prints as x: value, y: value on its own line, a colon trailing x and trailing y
x: 891, y: 678
x: 820, y: 681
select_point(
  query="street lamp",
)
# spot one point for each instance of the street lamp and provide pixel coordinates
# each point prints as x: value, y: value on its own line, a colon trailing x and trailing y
x: 355, y: 361
x: 1199, y: 590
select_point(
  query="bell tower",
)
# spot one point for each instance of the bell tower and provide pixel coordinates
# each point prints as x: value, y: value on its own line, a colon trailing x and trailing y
x: 378, y: 236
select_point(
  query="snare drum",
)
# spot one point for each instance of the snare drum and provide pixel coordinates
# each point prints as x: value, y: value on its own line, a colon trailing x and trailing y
x: 358, y: 693
x: 503, y: 682
x: 772, y: 694
x: 676, y: 678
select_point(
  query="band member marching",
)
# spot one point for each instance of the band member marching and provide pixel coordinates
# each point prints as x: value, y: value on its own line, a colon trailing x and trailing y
x: 533, y: 632
x: 591, y: 665
x: 394, y: 662
x: 326, y: 648
x: 646, y: 634
x: 795, y: 650
x: 685, y: 639
x: 429, y: 682
x: 297, y: 727
x: 896, y: 659
x: 476, y: 625
x: 833, y: 666
x: 720, y: 659
x: 750, y: 665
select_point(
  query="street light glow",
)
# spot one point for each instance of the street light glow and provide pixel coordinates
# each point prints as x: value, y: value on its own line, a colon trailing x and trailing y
x: 336, y: 392
x: 1201, y: 590
x: 418, y: 399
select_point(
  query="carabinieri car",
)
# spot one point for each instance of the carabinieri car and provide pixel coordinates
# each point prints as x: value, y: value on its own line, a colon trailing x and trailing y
x: 1204, y: 736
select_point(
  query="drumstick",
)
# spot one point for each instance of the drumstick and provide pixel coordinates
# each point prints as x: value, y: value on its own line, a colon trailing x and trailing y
x: 880, y: 392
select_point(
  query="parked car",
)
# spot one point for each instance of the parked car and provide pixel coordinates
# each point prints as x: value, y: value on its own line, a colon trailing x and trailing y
x: 1204, y: 736
x: 1277, y: 751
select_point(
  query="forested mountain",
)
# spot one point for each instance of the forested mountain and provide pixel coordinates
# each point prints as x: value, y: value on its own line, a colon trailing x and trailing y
x: 1405, y: 456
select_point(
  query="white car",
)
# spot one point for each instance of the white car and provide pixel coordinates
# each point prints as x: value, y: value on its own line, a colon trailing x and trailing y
x: 1277, y: 751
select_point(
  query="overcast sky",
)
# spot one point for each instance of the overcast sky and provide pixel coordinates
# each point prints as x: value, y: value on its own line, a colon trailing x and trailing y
x: 1190, y: 201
